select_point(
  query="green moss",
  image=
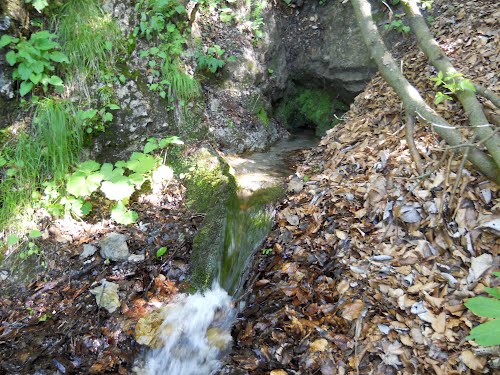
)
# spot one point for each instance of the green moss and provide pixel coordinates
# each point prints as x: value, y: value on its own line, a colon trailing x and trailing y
x: 210, y: 188
x: 308, y: 106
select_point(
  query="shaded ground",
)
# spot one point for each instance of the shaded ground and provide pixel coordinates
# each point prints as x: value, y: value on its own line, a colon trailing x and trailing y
x: 55, y: 326
x: 370, y: 264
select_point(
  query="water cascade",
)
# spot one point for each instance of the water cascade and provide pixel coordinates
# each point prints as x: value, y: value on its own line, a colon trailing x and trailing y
x: 195, y: 330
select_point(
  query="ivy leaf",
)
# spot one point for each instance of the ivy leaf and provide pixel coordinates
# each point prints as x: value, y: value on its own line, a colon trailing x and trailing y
x: 118, y: 189
x: 486, y: 334
x: 25, y: 87
x: 122, y: 215
x: 483, y: 306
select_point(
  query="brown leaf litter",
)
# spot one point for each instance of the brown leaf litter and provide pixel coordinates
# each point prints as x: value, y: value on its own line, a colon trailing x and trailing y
x: 371, y: 264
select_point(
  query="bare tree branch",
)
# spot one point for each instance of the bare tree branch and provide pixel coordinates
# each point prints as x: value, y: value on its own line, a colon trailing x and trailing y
x: 441, y: 62
x: 411, y: 98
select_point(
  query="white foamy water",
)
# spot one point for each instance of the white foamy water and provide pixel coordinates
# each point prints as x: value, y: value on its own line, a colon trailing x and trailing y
x: 198, y: 331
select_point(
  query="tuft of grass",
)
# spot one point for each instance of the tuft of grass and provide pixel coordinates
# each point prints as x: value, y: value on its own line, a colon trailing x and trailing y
x: 45, y: 152
x: 181, y: 84
x: 89, y: 37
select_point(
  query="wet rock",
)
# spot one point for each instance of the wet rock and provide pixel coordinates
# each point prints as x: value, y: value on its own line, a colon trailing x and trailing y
x: 219, y: 338
x: 114, y: 247
x: 88, y: 251
x: 106, y: 296
x: 150, y: 331
x: 296, y: 184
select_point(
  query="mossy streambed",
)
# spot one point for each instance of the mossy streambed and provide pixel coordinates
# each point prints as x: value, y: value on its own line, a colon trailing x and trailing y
x: 192, y: 333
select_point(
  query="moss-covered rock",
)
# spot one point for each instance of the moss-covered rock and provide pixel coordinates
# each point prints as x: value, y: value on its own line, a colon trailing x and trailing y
x: 210, y: 188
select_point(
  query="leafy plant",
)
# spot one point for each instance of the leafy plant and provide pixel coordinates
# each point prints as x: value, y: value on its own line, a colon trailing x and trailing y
x: 453, y: 82
x: 226, y: 14
x: 39, y: 5
x: 165, y: 23
x: 398, y: 25
x: 212, y: 60
x: 267, y: 251
x: 96, y: 120
x: 488, y: 333
x: 34, y: 59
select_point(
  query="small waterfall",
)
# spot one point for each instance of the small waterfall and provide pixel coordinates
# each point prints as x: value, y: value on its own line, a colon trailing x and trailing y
x: 197, y: 330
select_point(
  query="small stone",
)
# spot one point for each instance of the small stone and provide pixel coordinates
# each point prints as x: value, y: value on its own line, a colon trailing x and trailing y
x: 296, y: 185
x: 88, y: 251
x: 136, y: 258
x: 106, y: 296
x: 219, y: 338
x: 114, y: 247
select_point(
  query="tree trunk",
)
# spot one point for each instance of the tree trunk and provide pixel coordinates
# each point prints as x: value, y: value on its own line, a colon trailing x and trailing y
x: 411, y: 98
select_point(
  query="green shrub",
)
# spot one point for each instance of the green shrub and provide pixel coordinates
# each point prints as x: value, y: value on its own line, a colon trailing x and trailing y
x: 34, y: 60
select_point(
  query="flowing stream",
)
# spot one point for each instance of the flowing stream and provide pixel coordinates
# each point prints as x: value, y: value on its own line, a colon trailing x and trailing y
x: 195, y: 329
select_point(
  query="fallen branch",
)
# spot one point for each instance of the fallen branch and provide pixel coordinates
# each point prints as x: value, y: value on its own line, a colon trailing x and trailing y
x: 411, y: 98
x: 441, y: 62
x: 488, y: 94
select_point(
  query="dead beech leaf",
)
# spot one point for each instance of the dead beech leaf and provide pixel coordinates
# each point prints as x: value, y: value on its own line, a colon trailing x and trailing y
x: 353, y: 310
x: 472, y: 361
x: 319, y: 345
x: 439, y: 324
x: 278, y: 372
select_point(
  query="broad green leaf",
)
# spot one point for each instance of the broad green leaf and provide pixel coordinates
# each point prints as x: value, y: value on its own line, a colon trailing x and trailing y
x: 122, y: 215
x: 85, y: 208
x: 494, y: 292
x: 11, y: 58
x: 24, y: 71
x: 25, y: 87
x: 121, y: 188
x: 38, y: 67
x: 40, y: 5
x: 113, y: 106
x: 137, y: 179
x: 89, y: 166
x: 77, y: 185
x: 12, y: 239
x: 173, y: 140
x: 486, y: 334
x: 86, y: 115
x: 107, y: 117
x: 7, y: 39
x: 141, y: 163
x: 93, y: 181
x: 497, y: 274
x: 35, y: 233
x: 150, y: 146
x: 35, y: 78
x: 161, y: 251
x: 58, y: 56
x: 55, y: 81
x: 483, y: 306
